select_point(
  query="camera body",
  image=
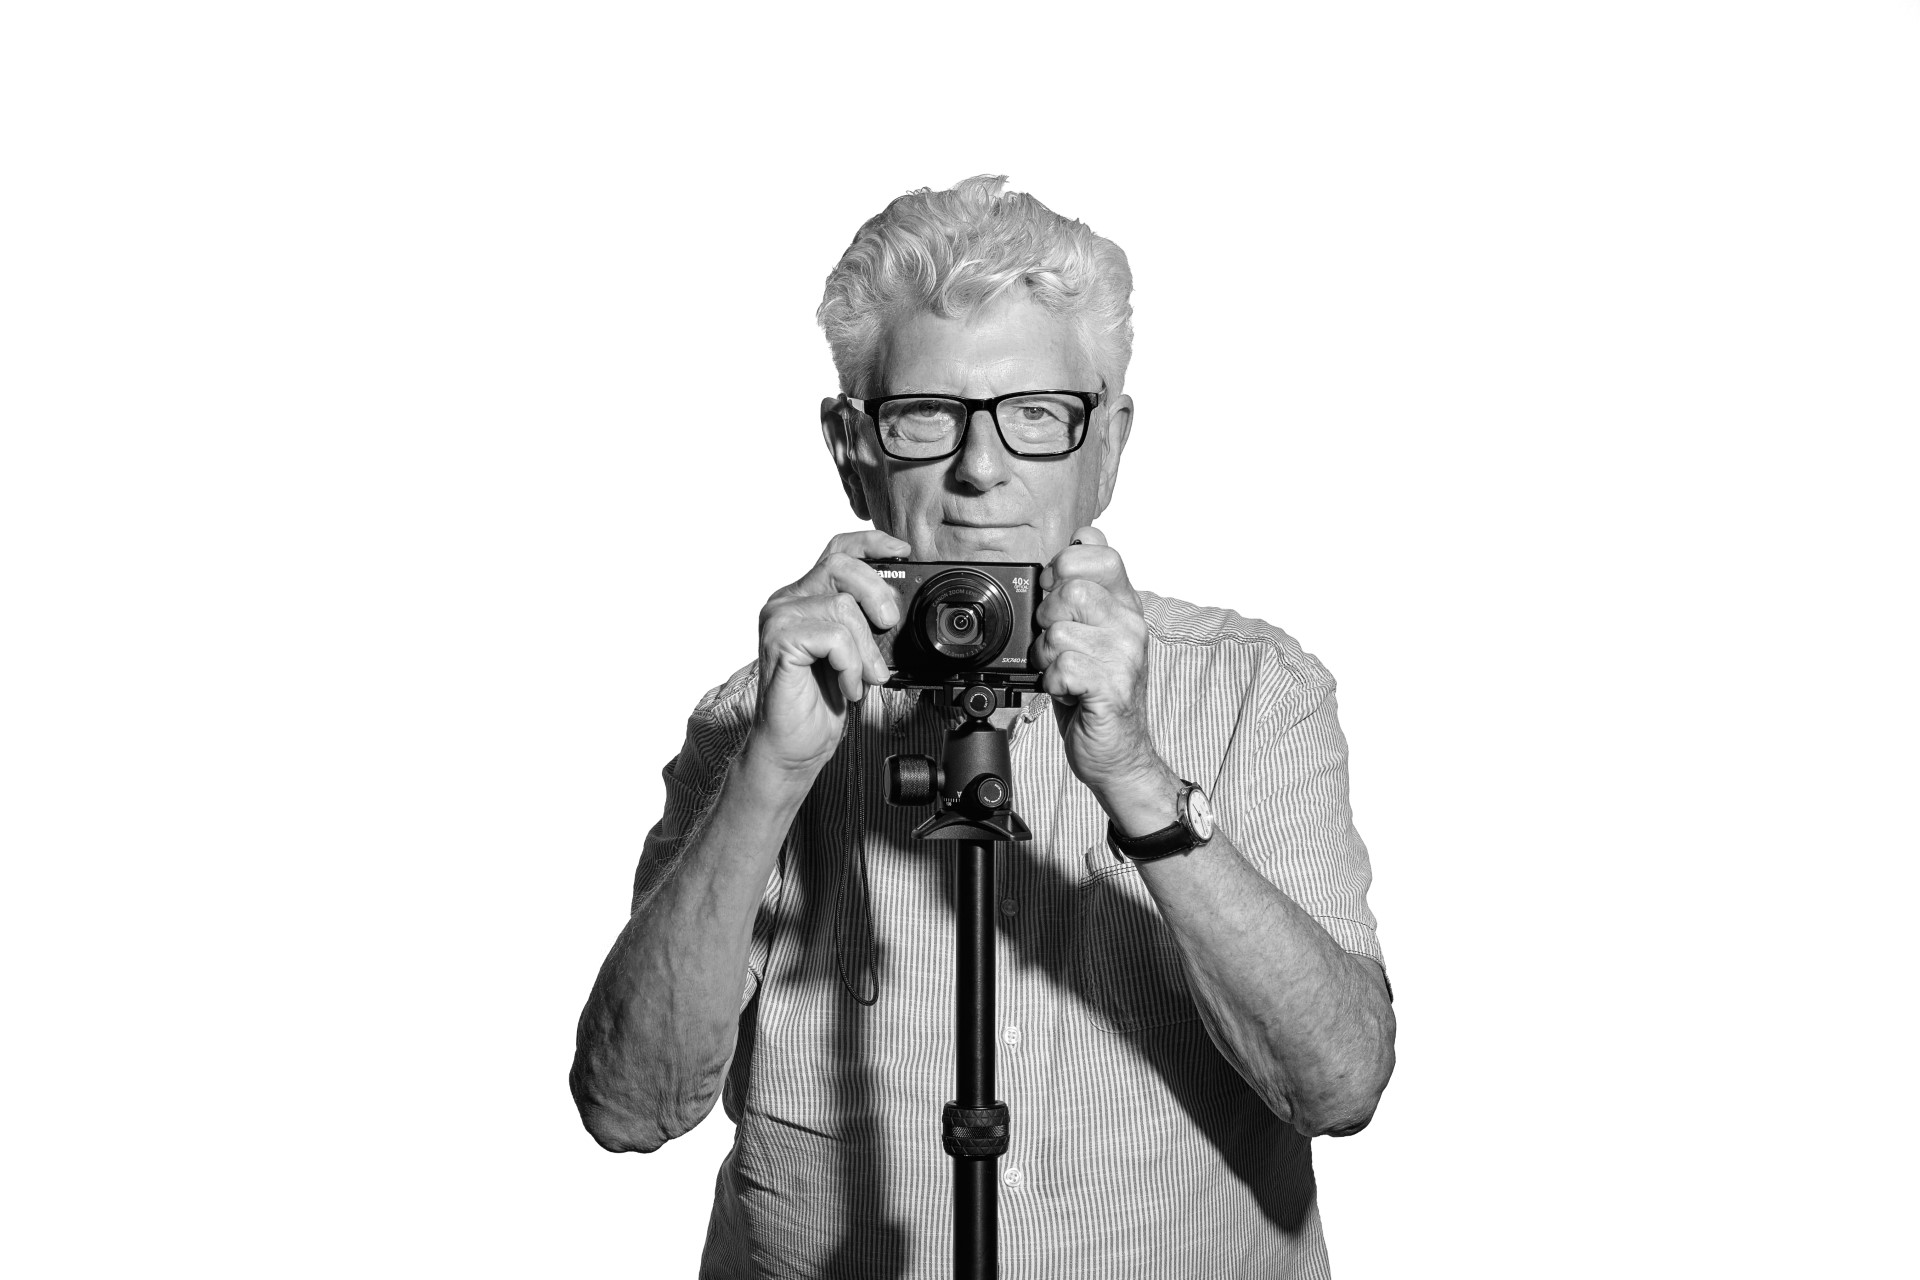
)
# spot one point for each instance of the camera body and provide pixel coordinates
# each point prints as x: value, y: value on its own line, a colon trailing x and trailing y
x: 964, y: 622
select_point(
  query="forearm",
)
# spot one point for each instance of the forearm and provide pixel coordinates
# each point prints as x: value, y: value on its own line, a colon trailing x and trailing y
x: 1307, y: 1024
x: 658, y: 1030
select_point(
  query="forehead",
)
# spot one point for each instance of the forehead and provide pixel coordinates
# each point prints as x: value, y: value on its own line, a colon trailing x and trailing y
x: 1012, y: 344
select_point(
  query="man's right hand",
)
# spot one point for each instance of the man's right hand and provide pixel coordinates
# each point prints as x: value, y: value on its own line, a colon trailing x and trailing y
x: 817, y: 654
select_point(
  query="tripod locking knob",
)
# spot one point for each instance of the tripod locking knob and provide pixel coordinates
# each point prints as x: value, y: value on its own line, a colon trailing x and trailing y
x: 978, y: 701
x: 912, y: 780
x: 988, y: 793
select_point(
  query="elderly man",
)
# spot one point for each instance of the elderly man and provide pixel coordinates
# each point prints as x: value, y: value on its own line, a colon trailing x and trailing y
x: 1184, y: 1003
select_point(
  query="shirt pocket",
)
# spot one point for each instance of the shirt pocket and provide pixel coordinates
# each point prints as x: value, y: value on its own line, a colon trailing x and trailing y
x: 1126, y: 962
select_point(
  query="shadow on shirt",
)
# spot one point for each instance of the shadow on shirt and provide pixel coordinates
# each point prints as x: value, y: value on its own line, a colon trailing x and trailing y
x: 1270, y: 1159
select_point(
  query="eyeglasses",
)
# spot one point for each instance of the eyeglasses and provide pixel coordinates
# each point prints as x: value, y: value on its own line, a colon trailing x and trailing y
x: 1032, y: 424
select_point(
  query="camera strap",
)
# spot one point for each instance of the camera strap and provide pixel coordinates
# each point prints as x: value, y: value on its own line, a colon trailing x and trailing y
x: 854, y: 950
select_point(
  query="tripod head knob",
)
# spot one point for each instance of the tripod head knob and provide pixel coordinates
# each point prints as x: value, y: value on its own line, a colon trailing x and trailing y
x: 987, y: 794
x: 978, y: 701
x: 912, y: 780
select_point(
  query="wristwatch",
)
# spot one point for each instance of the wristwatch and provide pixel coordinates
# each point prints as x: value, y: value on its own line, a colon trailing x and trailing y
x: 1193, y: 828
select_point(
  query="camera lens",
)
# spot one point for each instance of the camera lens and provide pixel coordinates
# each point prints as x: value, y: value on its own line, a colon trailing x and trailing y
x: 958, y: 623
x: 963, y: 618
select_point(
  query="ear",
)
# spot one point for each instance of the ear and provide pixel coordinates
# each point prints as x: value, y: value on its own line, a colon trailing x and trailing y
x: 836, y: 427
x: 1113, y: 442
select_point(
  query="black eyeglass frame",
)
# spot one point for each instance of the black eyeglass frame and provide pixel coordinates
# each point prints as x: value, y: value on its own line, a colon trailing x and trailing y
x: 1089, y: 401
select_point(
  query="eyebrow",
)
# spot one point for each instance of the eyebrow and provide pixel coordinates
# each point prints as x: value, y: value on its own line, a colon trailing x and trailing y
x: 957, y: 395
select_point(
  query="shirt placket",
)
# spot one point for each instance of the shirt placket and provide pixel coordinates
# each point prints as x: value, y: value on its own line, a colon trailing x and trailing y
x: 1023, y: 1004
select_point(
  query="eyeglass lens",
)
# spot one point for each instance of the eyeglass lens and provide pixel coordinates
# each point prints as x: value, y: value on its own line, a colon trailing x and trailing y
x: 930, y: 427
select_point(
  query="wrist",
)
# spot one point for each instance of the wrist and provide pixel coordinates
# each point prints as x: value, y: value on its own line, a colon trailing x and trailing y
x: 764, y: 773
x: 1147, y: 801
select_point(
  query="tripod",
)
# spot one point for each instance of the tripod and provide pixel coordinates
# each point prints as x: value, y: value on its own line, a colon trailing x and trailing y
x: 974, y: 791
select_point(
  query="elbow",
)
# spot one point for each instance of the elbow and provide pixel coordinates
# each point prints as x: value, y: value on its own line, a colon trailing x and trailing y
x: 1338, y: 1112
x: 1336, y: 1118
x: 621, y: 1123
x: 617, y: 1131
x: 1344, y: 1105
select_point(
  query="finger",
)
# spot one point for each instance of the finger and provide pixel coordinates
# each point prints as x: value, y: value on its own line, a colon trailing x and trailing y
x: 847, y: 660
x: 853, y: 617
x: 837, y: 572
x: 870, y: 544
x: 1069, y: 677
x: 840, y: 610
x: 803, y: 641
x: 876, y: 597
x: 1101, y: 564
x: 1087, y: 535
x: 843, y: 655
x: 863, y: 543
x: 1071, y: 637
x: 1078, y: 600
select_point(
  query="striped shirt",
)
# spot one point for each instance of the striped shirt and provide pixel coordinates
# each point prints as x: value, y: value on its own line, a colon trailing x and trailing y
x: 1136, y: 1149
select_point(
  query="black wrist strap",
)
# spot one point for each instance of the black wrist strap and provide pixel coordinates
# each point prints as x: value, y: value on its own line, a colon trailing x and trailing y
x: 1155, y: 845
x: 1178, y: 837
x: 1151, y: 847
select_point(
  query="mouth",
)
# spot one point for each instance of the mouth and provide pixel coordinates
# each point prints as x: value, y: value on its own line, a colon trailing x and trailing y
x: 972, y: 539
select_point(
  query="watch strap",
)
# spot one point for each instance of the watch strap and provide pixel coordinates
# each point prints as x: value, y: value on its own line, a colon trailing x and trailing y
x: 1175, y: 838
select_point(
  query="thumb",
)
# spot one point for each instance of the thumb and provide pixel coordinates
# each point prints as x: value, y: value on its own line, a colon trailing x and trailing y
x: 1088, y: 536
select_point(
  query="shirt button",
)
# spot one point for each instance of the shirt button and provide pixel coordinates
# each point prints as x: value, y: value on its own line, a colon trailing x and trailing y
x: 1009, y: 906
x: 1012, y: 1033
x: 1013, y: 1177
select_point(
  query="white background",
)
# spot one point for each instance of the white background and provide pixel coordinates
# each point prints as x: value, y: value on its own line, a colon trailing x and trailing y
x: 408, y: 406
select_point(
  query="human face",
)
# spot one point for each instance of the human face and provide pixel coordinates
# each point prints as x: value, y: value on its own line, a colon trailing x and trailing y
x: 983, y: 503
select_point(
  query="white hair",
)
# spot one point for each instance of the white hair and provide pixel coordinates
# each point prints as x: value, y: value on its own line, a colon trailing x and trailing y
x: 952, y: 252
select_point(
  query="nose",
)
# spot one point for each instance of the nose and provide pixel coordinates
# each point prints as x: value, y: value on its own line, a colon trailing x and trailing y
x: 983, y: 461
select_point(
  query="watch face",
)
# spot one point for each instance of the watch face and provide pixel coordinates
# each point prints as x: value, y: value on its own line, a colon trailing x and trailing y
x: 1199, y: 815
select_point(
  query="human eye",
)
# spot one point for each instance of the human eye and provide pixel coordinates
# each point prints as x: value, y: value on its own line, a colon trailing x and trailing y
x: 1042, y: 421
x: 919, y: 423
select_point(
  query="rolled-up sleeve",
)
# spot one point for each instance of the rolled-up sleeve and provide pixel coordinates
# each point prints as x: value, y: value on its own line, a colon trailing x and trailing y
x: 1282, y: 797
x: 715, y: 733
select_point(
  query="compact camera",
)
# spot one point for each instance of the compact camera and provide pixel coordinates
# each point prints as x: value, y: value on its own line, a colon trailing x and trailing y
x: 968, y: 622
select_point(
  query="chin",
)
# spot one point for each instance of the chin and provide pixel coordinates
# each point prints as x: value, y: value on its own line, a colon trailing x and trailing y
x: 958, y: 542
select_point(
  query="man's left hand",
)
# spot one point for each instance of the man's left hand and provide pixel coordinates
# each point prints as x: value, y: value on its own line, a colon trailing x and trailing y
x: 1093, y: 647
